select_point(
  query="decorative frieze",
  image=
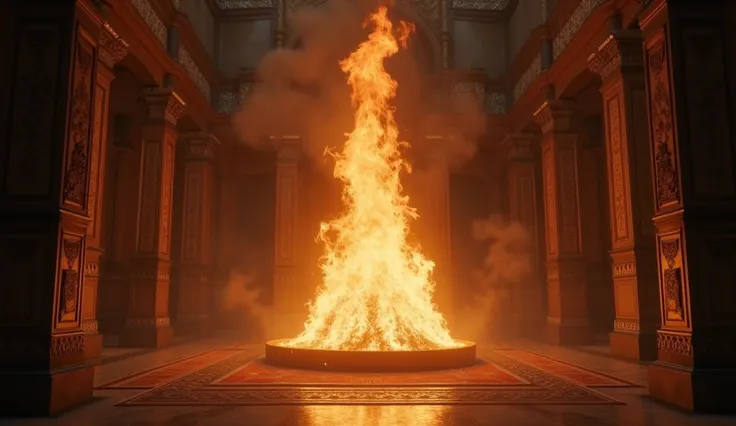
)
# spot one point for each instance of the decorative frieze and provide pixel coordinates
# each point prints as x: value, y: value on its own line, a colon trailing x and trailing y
x: 151, y: 18
x: 526, y: 79
x: 244, y: 4
x: 185, y: 59
x: 112, y: 48
x: 228, y: 102
x: 494, y: 5
x: 495, y: 103
x: 577, y: 19
x: 621, y: 51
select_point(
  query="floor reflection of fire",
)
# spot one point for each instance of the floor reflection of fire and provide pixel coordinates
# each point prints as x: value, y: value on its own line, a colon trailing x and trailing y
x: 374, y: 310
x: 401, y: 415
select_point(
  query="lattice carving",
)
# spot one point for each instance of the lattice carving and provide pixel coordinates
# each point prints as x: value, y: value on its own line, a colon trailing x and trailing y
x: 151, y: 18
x: 572, y: 26
x: 495, y: 5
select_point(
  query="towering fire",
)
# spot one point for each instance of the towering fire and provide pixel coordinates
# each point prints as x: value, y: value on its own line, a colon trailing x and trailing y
x: 377, y: 289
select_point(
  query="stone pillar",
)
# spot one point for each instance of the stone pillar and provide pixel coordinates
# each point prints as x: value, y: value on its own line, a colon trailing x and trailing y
x: 148, y: 324
x: 288, y: 297
x: 567, y: 314
x: 196, y: 249
x: 48, y: 117
x: 688, y: 53
x: 112, y: 49
x: 523, y: 208
x: 619, y: 62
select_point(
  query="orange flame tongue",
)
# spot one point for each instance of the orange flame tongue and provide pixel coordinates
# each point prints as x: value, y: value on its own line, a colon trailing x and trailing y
x: 377, y: 289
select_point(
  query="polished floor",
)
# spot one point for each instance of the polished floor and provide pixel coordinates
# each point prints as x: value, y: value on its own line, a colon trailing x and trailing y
x: 638, y: 409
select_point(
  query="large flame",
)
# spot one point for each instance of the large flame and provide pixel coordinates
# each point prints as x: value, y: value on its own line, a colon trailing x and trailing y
x: 377, y: 288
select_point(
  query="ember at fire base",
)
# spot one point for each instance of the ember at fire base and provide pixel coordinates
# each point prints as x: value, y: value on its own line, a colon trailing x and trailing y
x: 370, y: 361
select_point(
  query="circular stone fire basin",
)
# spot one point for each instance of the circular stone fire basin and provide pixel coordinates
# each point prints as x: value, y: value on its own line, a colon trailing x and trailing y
x: 369, y: 361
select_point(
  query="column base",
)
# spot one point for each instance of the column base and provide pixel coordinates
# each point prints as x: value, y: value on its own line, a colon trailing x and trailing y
x: 34, y: 394
x: 696, y: 390
x: 633, y: 345
x: 568, y: 335
x: 147, y: 336
x: 92, y: 347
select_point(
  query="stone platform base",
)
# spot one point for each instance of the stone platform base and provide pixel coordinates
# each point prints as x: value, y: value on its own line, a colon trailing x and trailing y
x: 696, y: 390
x: 42, y: 394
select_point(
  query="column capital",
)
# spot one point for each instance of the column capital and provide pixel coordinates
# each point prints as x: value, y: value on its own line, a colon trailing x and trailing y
x: 199, y: 145
x: 555, y: 116
x: 113, y: 48
x: 519, y: 146
x: 621, y: 51
x: 163, y: 105
x: 288, y: 147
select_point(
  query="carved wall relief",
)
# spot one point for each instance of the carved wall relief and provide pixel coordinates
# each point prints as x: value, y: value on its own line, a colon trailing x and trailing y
x: 679, y: 344
x: 568, y: 188
x: 151, y: 179
x: 31, y: 124
x: 70, y: 279
x: 662, y: 127
x: 94, y: 166
x: 550, y: 201
x: 80, y: 131
x: 621, y: 229
x: 166, y: 194
x: 672, y: 278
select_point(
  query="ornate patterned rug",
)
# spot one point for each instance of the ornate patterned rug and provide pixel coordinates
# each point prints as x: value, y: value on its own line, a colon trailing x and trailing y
x: 241, y: 378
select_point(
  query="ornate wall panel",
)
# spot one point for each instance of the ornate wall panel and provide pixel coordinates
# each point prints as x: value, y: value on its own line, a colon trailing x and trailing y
x: 185, y: 59
x: 576, y: 21
x: 80, y: 131
x: 662, y: 123
x: 151, y: 18
x: 495, y: 5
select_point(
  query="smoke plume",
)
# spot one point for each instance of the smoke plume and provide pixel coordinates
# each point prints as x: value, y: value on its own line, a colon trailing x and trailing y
x: 302, y: 90
x: 242, y: 304
x: 506, y: 268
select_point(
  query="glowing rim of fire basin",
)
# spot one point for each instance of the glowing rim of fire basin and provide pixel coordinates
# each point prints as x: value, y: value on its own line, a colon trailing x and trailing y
x: 360, y: 318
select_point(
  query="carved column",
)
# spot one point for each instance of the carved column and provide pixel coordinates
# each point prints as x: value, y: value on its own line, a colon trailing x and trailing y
x: 689, y: 63
x: 288, y: 295
x: 523, y: 208
x: 48, y: 113
x: 619, y: 62
x: 197, y: 194
x: 567, y: 314
x: 112, y: 49
x: 148, y: 324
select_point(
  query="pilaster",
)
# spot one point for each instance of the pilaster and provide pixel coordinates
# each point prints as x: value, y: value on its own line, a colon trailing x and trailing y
x: 619, y: 61
x: 148, y: 323
x: 45, y: 167
x: 567, y: 313
x: 523, y: 208
x: 195, y: 251
x: 112, y: 49
x: 688, y: 72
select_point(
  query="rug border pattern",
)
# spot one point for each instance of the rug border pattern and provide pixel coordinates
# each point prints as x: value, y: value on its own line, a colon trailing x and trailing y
x: 194, y: 390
